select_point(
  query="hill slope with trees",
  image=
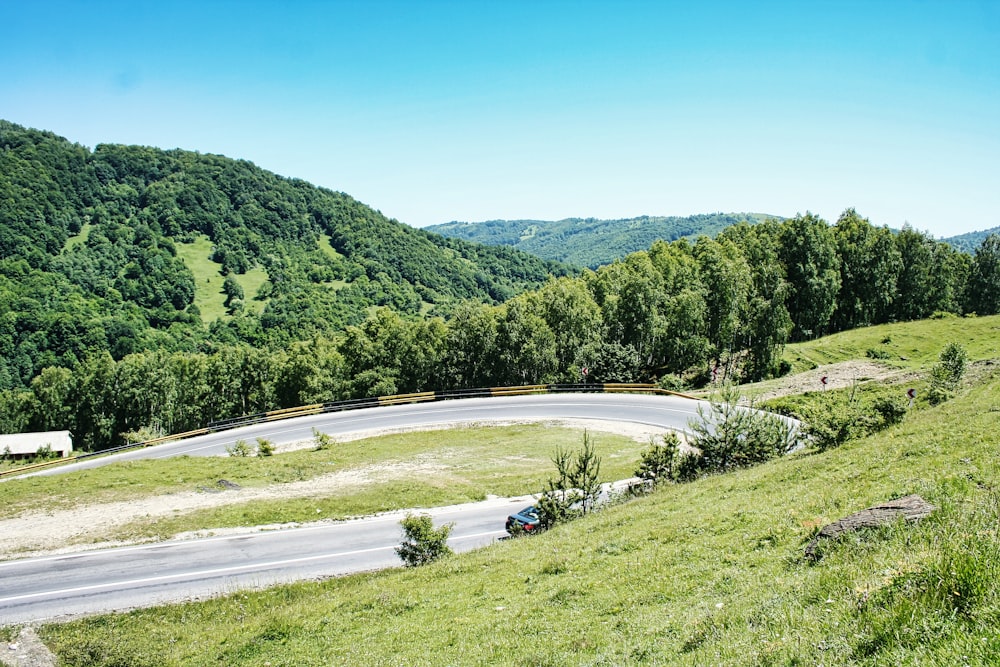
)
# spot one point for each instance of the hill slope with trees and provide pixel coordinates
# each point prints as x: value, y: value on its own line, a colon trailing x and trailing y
x: 589, y: 241
x: 108, y: 249
x: 104, y: 254
x: 969, y: 242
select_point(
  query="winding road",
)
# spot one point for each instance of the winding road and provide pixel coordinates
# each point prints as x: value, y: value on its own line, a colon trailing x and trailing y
x: 669, y: 412
x: 114, y: 579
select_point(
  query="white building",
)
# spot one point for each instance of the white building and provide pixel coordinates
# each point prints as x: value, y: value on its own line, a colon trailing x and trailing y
x: 24, y: 445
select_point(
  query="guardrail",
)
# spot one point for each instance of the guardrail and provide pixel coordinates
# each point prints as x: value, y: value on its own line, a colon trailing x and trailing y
x: 358, y: 403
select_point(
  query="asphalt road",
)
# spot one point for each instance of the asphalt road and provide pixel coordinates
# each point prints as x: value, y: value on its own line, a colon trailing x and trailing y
x: 116, y: 579
x: 672, y: 412
x: 50, y: 587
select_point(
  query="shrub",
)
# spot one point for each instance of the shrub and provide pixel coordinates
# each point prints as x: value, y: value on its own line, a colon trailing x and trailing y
x: 672, y: 382
x: 265, y: 447
x: 730, y: 435
x: 239, y: 448
x: 947, y: 374
x: 657, y: 464
x: 322, y: 440
x: 876, y: 353
x: 422, y: 543
x: 832, y: 418
x: 45, y: 453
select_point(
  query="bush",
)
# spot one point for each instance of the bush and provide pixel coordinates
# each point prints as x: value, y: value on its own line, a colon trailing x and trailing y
x: 834, y: 417
x: 322, y: 440
x: 731, y: 436
x: 672, y: 382
x: 657, y: 464
x: 422, y: 543
x: 265, y: 447
x: 947, y: 374
x: 239, y: 448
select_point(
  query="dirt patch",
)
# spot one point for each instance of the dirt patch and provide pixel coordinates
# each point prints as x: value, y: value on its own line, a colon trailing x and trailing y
x: 838, y: 376
x: 27, y: 651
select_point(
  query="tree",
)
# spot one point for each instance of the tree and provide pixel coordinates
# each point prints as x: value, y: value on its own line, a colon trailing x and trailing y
x: 571, y: 312
x: 766, y: 322
x: 809, y: 254
x: 470, y: 353
x: 525, y: 345
x: 232, y: 289
x: 726, y: 276
x: 983, y: 294
x: 422, y: 543
x: 575, y: 489
x: 870, y: 263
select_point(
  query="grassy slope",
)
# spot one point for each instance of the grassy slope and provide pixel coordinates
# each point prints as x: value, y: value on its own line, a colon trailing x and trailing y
x: 906, y: 344
x: 705, y: 573
x: 208, y: 295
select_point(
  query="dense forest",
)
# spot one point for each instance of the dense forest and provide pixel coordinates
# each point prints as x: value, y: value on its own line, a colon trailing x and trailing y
x: 592, y: 242
x: 100, y: 333
x: 108, y: 250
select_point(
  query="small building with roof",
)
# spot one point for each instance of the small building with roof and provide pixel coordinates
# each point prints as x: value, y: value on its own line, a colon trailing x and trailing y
x: 27, y: 445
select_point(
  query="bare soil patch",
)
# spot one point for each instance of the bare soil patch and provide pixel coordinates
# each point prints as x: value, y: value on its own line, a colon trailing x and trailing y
x: 838, y: 376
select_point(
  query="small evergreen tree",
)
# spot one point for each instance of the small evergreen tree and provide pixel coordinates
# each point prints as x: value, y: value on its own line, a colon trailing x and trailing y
x: 730, y: 435
x: 422, y: 543
x: 576, y: 487
x: 657, y: 464
x: 947, y: 374
x: 265, y: 447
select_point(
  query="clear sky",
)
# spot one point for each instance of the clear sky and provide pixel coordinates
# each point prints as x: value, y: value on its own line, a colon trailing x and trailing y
x: 438, y: 111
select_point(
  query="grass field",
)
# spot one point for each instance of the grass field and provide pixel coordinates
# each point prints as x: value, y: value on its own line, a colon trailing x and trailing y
x: 208, y: 295
x: 904, y: 344
x: 706, y: 573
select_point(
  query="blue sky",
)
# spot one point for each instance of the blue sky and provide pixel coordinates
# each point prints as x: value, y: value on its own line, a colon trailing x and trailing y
x: 439, y: 111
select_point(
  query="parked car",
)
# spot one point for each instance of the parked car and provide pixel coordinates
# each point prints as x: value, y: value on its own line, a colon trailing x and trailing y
x: 526, y: 520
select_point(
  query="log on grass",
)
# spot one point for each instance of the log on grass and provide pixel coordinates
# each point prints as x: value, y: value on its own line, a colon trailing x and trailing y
x: 908, y: 508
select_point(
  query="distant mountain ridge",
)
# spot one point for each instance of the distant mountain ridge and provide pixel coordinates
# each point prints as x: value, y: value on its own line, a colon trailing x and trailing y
x: 970, y: 241
x: 592, y: 242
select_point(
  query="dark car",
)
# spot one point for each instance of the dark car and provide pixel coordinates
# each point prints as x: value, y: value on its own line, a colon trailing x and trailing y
x: 526, y: 520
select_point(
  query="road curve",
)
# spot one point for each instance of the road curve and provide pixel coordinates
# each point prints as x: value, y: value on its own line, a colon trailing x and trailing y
x: 115, y: 579
x: 669, y: 412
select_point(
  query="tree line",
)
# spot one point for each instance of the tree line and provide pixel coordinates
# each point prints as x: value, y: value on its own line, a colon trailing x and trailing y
x: 680, y: 313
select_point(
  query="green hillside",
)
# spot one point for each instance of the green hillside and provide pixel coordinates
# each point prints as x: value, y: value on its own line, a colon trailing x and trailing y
x: 589, y: 241
x: 707, y: 572
x: 969, y: 242
x: 130, y: 248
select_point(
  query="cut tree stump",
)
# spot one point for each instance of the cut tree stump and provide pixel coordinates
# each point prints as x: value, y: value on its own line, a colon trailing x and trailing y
x: 908, y: 508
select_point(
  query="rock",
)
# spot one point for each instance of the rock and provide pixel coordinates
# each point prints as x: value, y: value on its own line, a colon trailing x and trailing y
x: 908, y: 508
x: 226, y: 484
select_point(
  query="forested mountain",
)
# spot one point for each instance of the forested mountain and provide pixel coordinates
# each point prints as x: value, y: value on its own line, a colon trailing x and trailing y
x: 588, y: 241
x: 969, y: 242
x: 105, y: 257
x: 127, y: 248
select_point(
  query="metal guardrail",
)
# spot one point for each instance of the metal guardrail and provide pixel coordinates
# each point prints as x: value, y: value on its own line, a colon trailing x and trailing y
x: 358, y: 403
